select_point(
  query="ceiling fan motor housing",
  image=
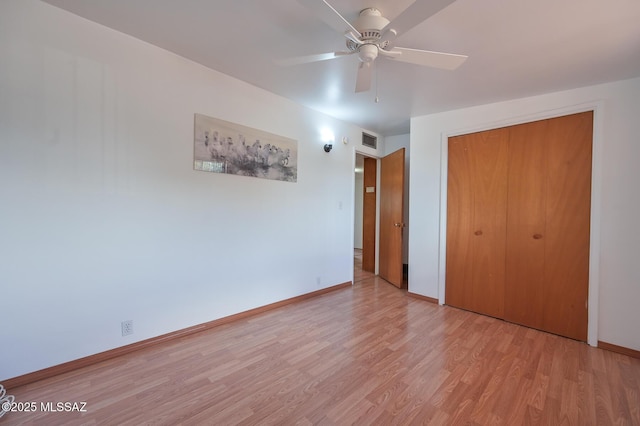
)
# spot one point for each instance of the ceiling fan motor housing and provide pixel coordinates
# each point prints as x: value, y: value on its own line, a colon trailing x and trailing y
x: 369, y: 24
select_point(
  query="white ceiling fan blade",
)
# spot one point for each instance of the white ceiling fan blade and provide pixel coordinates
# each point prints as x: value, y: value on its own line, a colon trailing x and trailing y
x: 330, y: 16
x: 363, y: 81
x: 427, y: 58
x: 415, y: 14
x: 297, y: 60
x: 393, y: 53
x: 353, y: 37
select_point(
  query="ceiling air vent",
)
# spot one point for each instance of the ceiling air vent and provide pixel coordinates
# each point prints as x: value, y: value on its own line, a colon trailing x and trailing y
x: 370, y: 141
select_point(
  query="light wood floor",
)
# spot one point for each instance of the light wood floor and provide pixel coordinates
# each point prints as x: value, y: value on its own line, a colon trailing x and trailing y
x: 368, y: 354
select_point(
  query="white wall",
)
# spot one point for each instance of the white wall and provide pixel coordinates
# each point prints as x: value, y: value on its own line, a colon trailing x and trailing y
x: 392, y: 144
x: 103, y: 218
x: 615, y: 270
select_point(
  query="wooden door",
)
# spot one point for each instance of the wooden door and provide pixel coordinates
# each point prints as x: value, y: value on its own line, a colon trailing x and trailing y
x: 569, y: 153
x: 518, y: 216
x: 392, y: 217
x: 369, y: 215
x: 568, y: 215
x: 549, y: 225
x: 526, y: 223
x: 476, y: 221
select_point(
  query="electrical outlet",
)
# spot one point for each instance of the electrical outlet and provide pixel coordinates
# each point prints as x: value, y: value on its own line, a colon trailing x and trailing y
x: 127, y: 327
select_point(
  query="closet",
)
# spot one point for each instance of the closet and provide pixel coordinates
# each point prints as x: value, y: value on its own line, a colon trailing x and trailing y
x: 518, y: 215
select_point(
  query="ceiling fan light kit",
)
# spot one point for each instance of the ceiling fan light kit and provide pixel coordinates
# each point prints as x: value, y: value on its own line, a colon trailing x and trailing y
x: 373, y: 35
x: 367, y: 52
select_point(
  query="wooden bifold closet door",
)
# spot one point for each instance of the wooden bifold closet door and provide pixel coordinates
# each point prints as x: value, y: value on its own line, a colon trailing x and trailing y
x: 518, y: 214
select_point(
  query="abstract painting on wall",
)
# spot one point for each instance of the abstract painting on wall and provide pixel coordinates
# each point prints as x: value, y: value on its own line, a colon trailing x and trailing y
x: 224, y: 147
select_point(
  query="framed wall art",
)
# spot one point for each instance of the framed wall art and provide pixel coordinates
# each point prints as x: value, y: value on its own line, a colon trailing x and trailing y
x: 224, y: 147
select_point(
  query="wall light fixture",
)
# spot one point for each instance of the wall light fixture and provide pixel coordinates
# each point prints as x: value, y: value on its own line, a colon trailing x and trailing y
x: 328, y: 137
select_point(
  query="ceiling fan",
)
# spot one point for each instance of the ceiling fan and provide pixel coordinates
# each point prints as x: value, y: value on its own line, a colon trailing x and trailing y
x: 372, y: 35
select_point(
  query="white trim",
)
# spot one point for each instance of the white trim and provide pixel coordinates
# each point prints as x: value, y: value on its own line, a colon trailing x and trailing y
x: 378, y: 196
x: 596, y: 197
x: 353, y: 210
x: 442, y: 241
x: 596, y: 219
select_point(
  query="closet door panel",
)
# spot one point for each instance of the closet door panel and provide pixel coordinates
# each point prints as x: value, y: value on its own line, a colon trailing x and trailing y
x: 459, y: 224
x: 568, y: 215
x: 526, y: 230
x: 518, y: 223
x: 476, y: 221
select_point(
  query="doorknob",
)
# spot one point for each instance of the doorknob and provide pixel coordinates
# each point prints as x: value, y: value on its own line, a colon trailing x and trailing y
x: 399, y: 225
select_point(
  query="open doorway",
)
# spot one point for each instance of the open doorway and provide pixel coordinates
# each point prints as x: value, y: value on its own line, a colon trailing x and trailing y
x: 381, y: 216
x: 365, y: 216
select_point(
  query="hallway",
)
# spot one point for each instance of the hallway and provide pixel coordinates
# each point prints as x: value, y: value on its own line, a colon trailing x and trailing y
x: 358, y: 274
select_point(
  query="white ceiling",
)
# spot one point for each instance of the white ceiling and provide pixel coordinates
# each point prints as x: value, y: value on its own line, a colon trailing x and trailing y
x: 516, y: 48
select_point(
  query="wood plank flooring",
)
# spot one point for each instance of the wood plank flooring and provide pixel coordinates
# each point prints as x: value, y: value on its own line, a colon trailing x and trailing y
x: 363, y: 355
